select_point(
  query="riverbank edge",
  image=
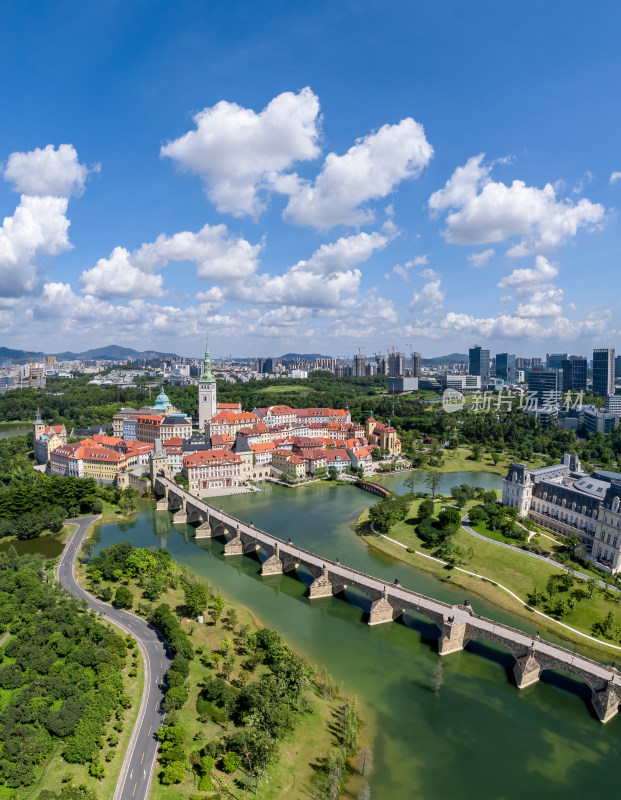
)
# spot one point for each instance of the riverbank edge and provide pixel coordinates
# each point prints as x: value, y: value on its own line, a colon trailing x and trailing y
x: 477, y: 586
x: 367, y: 734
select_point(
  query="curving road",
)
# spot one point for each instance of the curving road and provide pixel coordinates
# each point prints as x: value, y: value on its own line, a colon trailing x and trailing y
x: 137, y: 769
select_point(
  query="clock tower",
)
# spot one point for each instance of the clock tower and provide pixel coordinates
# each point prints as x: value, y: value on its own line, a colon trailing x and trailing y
x: 207, y: 403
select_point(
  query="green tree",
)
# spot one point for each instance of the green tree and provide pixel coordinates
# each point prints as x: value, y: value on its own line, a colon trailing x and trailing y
x: 231, y: 762
x: 333, y: 473
x: 196, y: 598
x: 173, y: 773
x: 216, y: 608
x: 426, y: 508
x: 123, y: 598
x: 433, y: 480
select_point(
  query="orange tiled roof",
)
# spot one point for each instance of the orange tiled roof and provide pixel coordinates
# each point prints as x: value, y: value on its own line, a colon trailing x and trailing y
x: 210, y: 457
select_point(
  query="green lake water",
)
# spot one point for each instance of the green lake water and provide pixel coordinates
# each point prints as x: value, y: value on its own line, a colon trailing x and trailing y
x: 21, y: 430
x: 478, y: 737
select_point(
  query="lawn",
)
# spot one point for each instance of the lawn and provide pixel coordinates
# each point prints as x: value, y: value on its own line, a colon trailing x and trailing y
x: 518, y: 572
x: 460, y: 460
x: 294, y: 772
x: 287, y: 388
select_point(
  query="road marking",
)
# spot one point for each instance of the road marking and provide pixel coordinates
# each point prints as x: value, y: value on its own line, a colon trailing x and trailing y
x: 150, y: 726
x: 134, y: 792
x: 161, y: 665
x: 142, y: 759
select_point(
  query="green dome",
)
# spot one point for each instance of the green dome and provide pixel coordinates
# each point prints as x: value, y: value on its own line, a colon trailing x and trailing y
x: 162, y: 403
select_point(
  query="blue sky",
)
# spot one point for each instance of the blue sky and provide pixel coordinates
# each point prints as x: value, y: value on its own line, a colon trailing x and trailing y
x: 310, y: 177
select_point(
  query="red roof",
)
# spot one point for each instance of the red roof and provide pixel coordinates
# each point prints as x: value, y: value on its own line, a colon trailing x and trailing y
x: 210, y: 457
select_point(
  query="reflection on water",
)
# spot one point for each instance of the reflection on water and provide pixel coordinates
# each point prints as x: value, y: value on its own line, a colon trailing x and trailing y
x: 484, y: 480
x: 479, y: 737
x: 7, y: 433
x: 49, y: 546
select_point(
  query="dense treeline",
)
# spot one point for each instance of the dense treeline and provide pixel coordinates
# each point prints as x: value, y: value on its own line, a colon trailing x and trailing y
x: 69, y: 495
x: 31, y: 502
x: 252, y: 686
x: 61, y: 673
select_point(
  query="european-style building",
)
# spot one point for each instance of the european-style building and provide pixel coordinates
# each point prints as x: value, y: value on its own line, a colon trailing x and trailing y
x: 569, y: 501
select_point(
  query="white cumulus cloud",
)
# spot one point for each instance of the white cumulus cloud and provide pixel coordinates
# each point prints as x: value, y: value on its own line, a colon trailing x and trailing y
x: 218, y: 256
x: 429, y: 299
x: 118, y: 277
x: 614, y: 177
x: 37, y: 228
x: 47, y: 171
x: 233, y: 148
x: 481, y: 259
x: 490, y: 211
x: 370, y: 169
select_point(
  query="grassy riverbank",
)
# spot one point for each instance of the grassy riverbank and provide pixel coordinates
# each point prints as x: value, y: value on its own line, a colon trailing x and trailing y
x: 460, y: 460
x: 301, y: 752
x: 517, y: 571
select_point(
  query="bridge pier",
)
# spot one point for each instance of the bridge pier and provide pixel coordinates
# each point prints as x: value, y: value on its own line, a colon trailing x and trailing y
x: 452, y: 636
x: 273, y: 565
x: 321, y: 586
x: 239, y: 545
x: 382, y: 611
x: 605, y: 702
x: 203, y: 531
x: 181, y: 515
x: 162, y: 504
x: 526, y: 670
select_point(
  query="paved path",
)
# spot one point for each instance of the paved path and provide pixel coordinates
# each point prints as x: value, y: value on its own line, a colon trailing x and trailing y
x: 465, y: 520
x: 4, y: 638
x: 500, y: 586
x: 139, y: 762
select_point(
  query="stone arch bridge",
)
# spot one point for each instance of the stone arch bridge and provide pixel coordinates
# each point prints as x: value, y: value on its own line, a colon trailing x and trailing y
x: 457, y: 623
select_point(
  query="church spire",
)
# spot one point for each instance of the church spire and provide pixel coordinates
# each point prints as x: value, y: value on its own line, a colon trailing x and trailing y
x: 207, y: 376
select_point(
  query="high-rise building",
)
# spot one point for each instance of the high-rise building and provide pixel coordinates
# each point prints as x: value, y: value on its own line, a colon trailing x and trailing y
x: 547, y: 385
x: 269, y: 364
x: 36, y: 377
x: 360, y: 365
x: 325, y: 364
x: 207, y: 403
x: 382, y: 364
x: 417, y: 365
x: 555, y: 360
x: 604, y: 371
x: 479, y: 363
x: 396, y: 363
x: 371, y: 368
x: 506, y: 367
x: 575, y: 374
x: 342, y: 370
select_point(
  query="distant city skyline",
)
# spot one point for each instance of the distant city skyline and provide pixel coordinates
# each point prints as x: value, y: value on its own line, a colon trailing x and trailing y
x: 316, y: 178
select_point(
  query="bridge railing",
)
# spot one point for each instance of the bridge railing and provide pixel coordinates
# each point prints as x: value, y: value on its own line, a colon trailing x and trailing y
x: 408, y: 595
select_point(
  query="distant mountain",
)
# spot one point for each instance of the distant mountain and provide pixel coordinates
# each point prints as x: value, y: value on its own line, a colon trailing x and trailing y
x: 18, y: 355
x: 112, y: 352
x: 306, y: 356
x: 452, y: 358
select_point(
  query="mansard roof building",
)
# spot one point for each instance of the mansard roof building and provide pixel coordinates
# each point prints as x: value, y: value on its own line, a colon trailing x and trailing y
x: 569, y: 501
